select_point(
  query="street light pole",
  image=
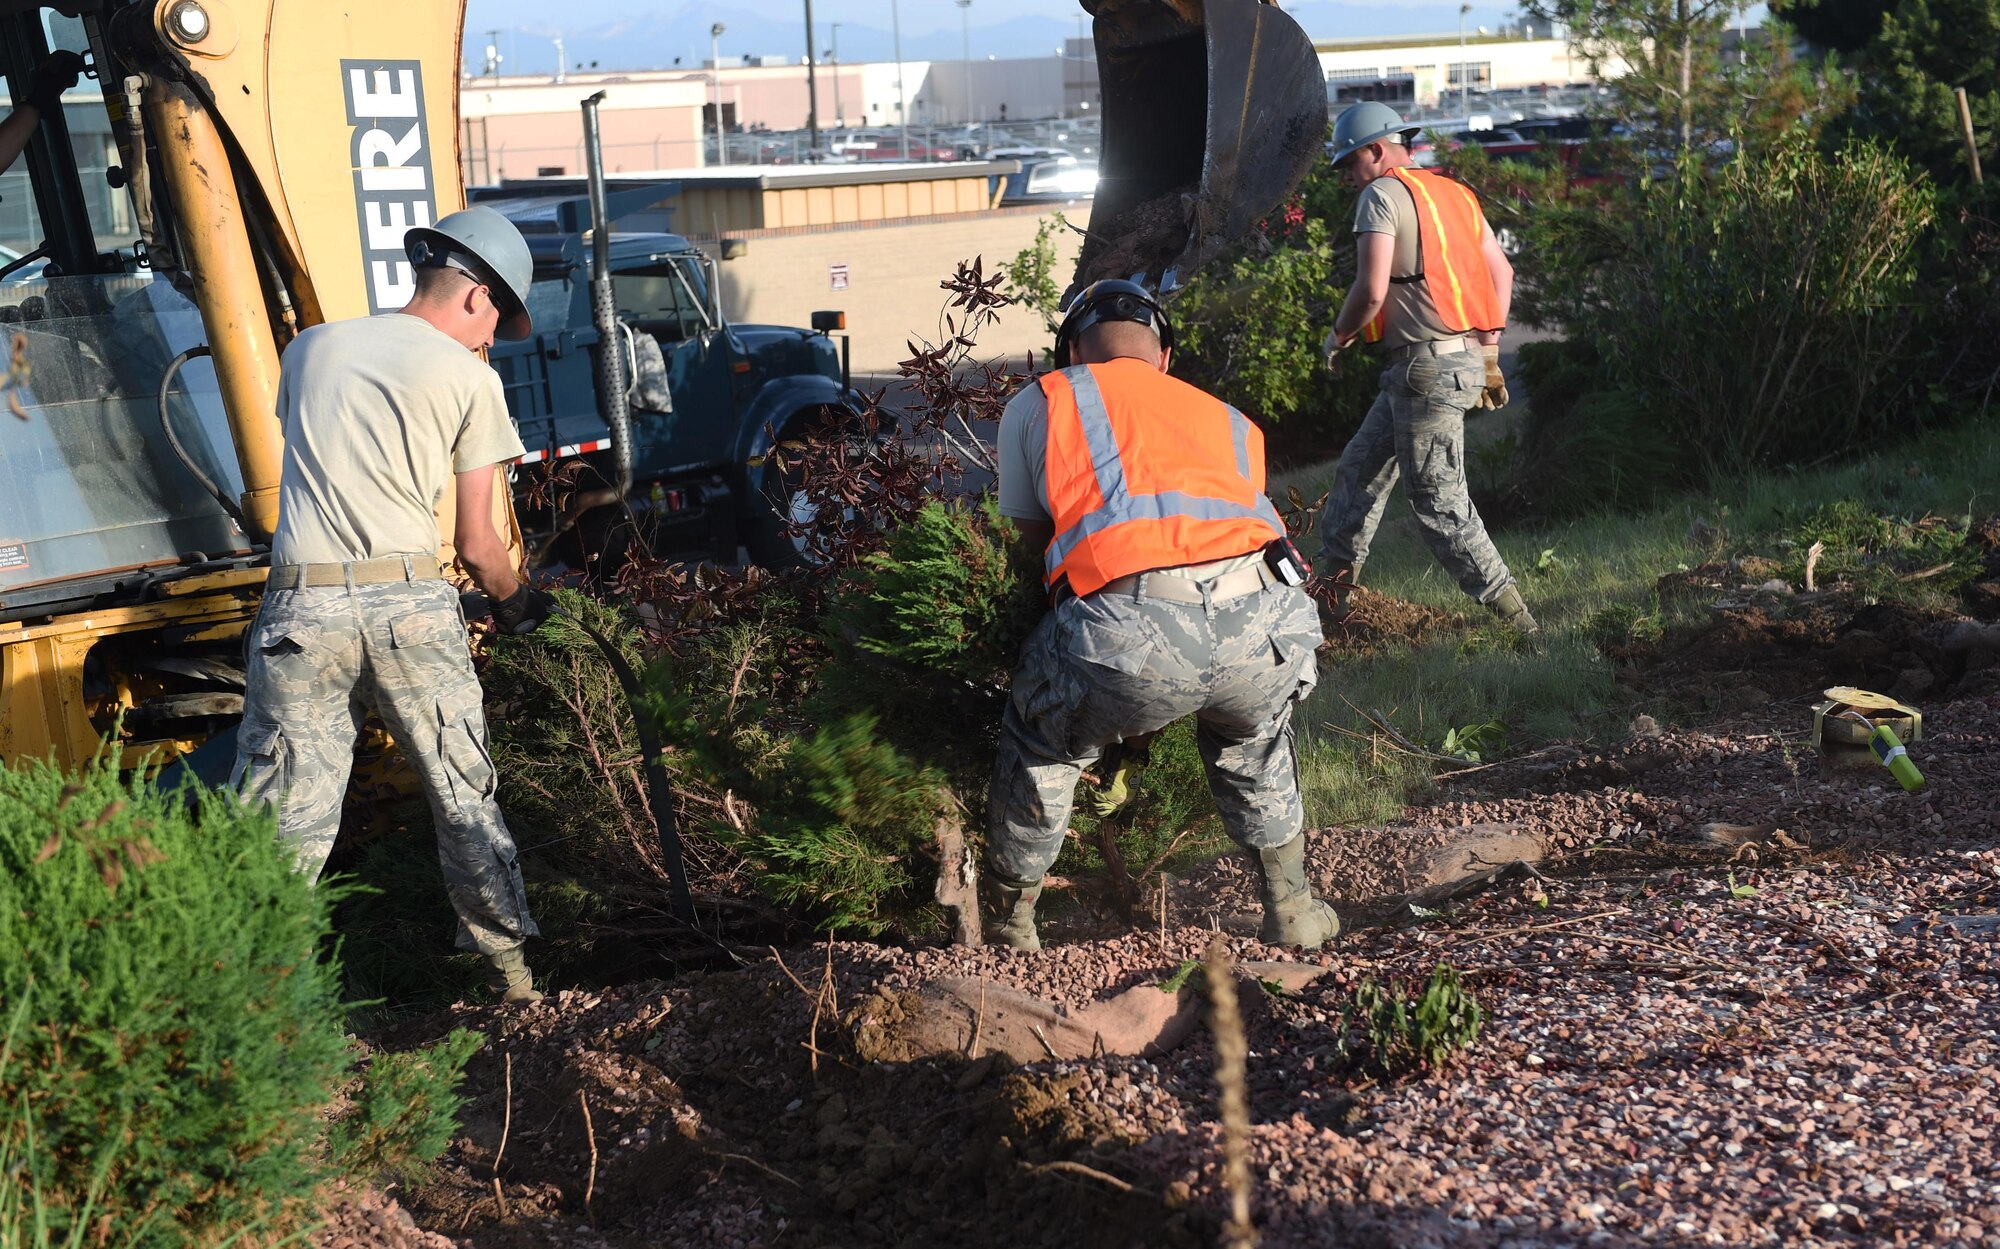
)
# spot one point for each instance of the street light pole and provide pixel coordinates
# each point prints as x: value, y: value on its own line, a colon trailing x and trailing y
x: 965, y: 26
x: 1464, y: 100
x: 902, y: 107
x: 812, y: 85
x: 715, y: 78
x: 833, y: 54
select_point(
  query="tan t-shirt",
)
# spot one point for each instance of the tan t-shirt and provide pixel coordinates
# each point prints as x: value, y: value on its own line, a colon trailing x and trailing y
x: 378, y: 414
x: 1409, y: 315
x: 1023, y: 460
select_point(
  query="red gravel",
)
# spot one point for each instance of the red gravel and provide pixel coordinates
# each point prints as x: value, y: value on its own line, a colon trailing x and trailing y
x: 1686, y: 1044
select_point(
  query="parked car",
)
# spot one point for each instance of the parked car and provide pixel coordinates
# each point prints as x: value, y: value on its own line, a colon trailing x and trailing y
x: 1047, y: 177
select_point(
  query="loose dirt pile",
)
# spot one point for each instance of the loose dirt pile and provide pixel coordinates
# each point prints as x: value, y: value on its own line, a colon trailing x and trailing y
x: 1778, y: 1036
x: 1375, y: 622
x: 1146, y: 238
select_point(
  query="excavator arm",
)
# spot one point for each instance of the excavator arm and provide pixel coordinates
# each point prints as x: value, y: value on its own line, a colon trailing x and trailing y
x: 1214, y: 110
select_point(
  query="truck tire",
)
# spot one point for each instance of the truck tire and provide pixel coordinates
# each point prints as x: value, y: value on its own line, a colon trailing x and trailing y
x: 771, y: 515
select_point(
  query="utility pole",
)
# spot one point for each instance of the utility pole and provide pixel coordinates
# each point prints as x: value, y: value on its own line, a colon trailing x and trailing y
x: 715, y: 78
x: 812, y: 85
x: 833, y: 54
x: 902, y: 106
x: 562, y: 62
x: 1464, y: 88
x: 965, y: 26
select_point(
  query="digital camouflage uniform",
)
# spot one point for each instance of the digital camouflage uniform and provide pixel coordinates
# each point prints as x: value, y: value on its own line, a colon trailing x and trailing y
x: 1110, y: 666
x: 1416, y: 429
x: 320, y: 659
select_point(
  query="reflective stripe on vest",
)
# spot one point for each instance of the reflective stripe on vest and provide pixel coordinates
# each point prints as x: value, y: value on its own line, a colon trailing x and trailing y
x: 1451, y: 263
x: 1114, y: 530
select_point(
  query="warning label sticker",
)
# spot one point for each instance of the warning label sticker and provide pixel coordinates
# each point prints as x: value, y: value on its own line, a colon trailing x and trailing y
x: 13, y: 556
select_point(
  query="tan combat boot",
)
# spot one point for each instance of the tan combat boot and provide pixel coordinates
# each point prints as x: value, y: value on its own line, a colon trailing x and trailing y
x: 507, y: 975
x: 1012, y: 903
x: 1513, y: 612
x: 1292, y: 916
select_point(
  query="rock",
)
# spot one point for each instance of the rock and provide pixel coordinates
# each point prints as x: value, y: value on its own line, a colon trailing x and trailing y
x: 1730, y: 835
x: 1970, y: 636
x: 1477, y: 851
x: 1982, y: 598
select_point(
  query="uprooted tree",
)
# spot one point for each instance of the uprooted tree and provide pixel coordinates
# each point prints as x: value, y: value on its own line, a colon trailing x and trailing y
x: 830, y: 728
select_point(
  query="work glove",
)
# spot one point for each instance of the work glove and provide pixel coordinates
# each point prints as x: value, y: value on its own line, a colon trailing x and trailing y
x: 524, y: 610
x: 53, y: 77
x: 1330, y: 352
x: 1120, y: 767
x: 1115, y: 795
x: 1495, y: 394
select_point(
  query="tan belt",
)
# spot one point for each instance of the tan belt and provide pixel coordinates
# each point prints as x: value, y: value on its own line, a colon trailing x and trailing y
x: 1226, y: 588
x: 382, y: 571
x: 1436, y: 347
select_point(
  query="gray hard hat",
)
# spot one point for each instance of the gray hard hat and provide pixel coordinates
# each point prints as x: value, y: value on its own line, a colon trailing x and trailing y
x: 1365, y: 123
x: 488, y: 246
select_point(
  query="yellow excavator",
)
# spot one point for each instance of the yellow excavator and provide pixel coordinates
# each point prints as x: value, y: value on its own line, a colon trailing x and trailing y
x: 250, y: 170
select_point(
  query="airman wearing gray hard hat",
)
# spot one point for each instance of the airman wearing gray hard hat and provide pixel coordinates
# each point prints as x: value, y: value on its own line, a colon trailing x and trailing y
x: 381, y: 415
x: 1432, y: 288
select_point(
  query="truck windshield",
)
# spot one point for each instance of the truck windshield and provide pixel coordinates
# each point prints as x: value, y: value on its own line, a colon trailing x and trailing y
x: 668, y: 299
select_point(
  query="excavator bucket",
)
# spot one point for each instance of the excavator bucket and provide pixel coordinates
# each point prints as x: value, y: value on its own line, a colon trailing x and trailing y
x: 1213, y: 111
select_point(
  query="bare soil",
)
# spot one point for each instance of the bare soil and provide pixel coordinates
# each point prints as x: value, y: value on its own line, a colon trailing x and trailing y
x: 1377, y: 621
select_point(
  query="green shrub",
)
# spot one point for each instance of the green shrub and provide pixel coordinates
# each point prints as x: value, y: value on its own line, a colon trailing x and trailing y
x: 1031, y: 278
x: 178, y: 1033
x: 828, y: 815
x: 948, y: 598
x: 1411, y: 1030
x: 405, y: 1108
x: 1724, y: 320
x: 1250, y: 326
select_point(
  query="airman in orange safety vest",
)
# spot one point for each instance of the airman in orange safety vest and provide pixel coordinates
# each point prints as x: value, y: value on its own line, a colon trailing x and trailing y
x: 1173, y: 591
x: 1432, y: 288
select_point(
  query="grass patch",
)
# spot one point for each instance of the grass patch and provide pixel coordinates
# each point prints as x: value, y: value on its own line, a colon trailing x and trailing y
x: 1592, y: 584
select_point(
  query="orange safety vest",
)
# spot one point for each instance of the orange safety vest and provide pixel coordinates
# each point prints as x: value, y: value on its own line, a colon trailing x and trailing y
x: 1450, y: 261
x: 1145, y: 471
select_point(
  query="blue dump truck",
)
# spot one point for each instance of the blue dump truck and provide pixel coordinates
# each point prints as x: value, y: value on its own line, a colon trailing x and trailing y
x: 659, y: 446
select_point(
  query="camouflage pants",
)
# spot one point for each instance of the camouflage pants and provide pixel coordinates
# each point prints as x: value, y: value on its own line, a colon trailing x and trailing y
x: 1416, y: 430
x: 322, y: 658
x: 1109, y: 667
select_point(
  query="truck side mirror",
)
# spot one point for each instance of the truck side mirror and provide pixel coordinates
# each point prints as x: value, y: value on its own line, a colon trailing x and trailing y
x: 828, y: 322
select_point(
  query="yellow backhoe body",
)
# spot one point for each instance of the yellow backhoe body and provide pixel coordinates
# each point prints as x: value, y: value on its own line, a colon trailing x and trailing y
x: 272, y: 153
